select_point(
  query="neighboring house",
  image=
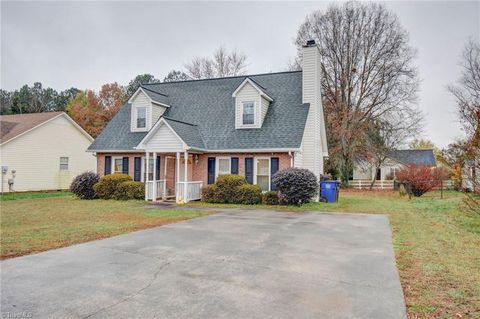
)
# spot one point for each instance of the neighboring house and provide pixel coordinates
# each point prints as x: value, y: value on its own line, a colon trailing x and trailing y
x: 178, y: 136
x: 42, y: 151
x: 396, y: 160
x: 471, y: 175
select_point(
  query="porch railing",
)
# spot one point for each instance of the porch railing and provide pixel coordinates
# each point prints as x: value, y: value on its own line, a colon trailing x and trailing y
x: 194, y: 190
x: 161, y: 187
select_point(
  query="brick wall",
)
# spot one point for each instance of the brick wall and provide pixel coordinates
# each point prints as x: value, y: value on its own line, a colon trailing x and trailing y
x: 200, y: 169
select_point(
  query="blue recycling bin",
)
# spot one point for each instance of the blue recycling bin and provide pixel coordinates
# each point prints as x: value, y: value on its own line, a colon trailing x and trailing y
x: 329, y: 191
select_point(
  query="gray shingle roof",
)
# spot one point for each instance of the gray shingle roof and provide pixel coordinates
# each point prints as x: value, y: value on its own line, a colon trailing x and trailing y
x: 189, y: 133
x: 156, y: 96
x: 209, y: 105
x: 414, y: 157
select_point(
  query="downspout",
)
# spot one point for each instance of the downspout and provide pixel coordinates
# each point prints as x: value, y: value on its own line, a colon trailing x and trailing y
x: 291, y: 158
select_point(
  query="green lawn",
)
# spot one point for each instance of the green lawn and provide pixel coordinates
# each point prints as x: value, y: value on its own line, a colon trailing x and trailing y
x: 436, y: 243
x: 35, y: 223
x: 32, y: 195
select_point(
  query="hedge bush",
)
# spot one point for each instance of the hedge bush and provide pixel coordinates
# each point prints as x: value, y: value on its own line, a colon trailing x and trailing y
x: 421, y: 178
x: 108, y: 184
x: 130, y: 190
x: 248, y: 194
x: 208, y: 194
x: 232, y: 189
x: 296, y: 185
x: 82, y: 185
x: 270, y: 198
x: 226, y: 188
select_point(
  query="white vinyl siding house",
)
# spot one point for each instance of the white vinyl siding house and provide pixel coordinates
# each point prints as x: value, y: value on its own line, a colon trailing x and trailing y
x: 47, y: 157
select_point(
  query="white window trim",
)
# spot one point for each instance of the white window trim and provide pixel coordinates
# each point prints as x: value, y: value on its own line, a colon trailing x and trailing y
x: 60, y: 163
x: 112, y: 168
x: 254, y: 113
x: 142, y: 168
x: 146, y: 117
x: 239, y: 118
x: 255, y: 163
x: 217, y: 160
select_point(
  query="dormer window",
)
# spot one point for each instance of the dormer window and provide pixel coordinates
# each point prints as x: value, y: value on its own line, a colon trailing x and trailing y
x: 251, y: 105
x: 141, y: 117
x: 248, y: 113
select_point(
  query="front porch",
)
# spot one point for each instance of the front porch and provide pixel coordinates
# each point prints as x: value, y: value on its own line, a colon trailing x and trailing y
x: 172, y: 179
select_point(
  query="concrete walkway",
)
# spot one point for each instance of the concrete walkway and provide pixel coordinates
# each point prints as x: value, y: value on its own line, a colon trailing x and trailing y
x: 235, y: 264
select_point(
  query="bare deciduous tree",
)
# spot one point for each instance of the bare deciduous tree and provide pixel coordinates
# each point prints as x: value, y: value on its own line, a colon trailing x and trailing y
x: 368, y: 71
x: 467, y: 95
x: 222, y: 64
x: 385, y: 136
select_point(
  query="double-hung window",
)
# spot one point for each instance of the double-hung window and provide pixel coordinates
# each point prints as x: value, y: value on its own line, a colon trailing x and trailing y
x: 117, y: 166
x: 141, y: 117
x: 248, y: 113
x: 64, y: 163
x: 223, y: 165
x: 151, y: 168
x: 262, y: 173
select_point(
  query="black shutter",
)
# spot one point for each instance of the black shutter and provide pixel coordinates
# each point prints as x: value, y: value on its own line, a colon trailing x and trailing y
x: 125, y: 165
x: 234, y: 165
x: 157, y: 169
x: 108, y: 165
x: 249, y: 170
x: 211, y: 170
x: 274, y: 164
x: 137, y: 169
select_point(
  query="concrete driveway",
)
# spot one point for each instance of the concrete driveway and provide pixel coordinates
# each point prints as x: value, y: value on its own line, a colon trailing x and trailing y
x: 235, y: 264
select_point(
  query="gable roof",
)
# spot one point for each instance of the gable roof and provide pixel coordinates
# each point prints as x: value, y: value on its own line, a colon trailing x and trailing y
x: 155, y: 97
x: 189, y: 133
x: 13, y: 126
x: 414, y: 157
x: 261, y: 90
x: 206, y: 109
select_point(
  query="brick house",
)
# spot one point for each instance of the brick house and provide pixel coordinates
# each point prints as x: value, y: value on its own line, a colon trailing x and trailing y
x: 178, y: 136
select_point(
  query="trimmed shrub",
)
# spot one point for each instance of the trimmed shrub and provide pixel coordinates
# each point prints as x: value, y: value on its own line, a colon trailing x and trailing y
x: 421, y: 178
x: 296, y: 185
x: 130, y: 190
x: 108, y: 184
x: 226, y: 188
x: 82, y: 185
x: 248, y: 194
x: 270, y: 198
x: 208, y: 194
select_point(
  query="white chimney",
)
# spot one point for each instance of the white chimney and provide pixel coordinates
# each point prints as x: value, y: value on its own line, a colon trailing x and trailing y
x: 314, y: 146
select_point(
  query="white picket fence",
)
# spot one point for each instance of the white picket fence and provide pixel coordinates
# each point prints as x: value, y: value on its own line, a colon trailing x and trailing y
x: 386, y: 184
x: 365, y: 184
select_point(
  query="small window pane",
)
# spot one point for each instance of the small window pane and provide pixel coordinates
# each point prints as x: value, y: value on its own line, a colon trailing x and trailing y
x: 223, y: 166
x: 248, y: 113
x: 150, y: 169
x: 118, y: 165
x: 263, y: 174
x: 64, y: 163
x: 141, y: 117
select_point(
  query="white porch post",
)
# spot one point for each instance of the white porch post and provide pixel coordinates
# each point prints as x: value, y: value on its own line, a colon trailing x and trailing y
x: 146, y: 175
x: 154, y: 186
x: 165, y: 160
x: 177, y: 176
x: 185, y: 191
